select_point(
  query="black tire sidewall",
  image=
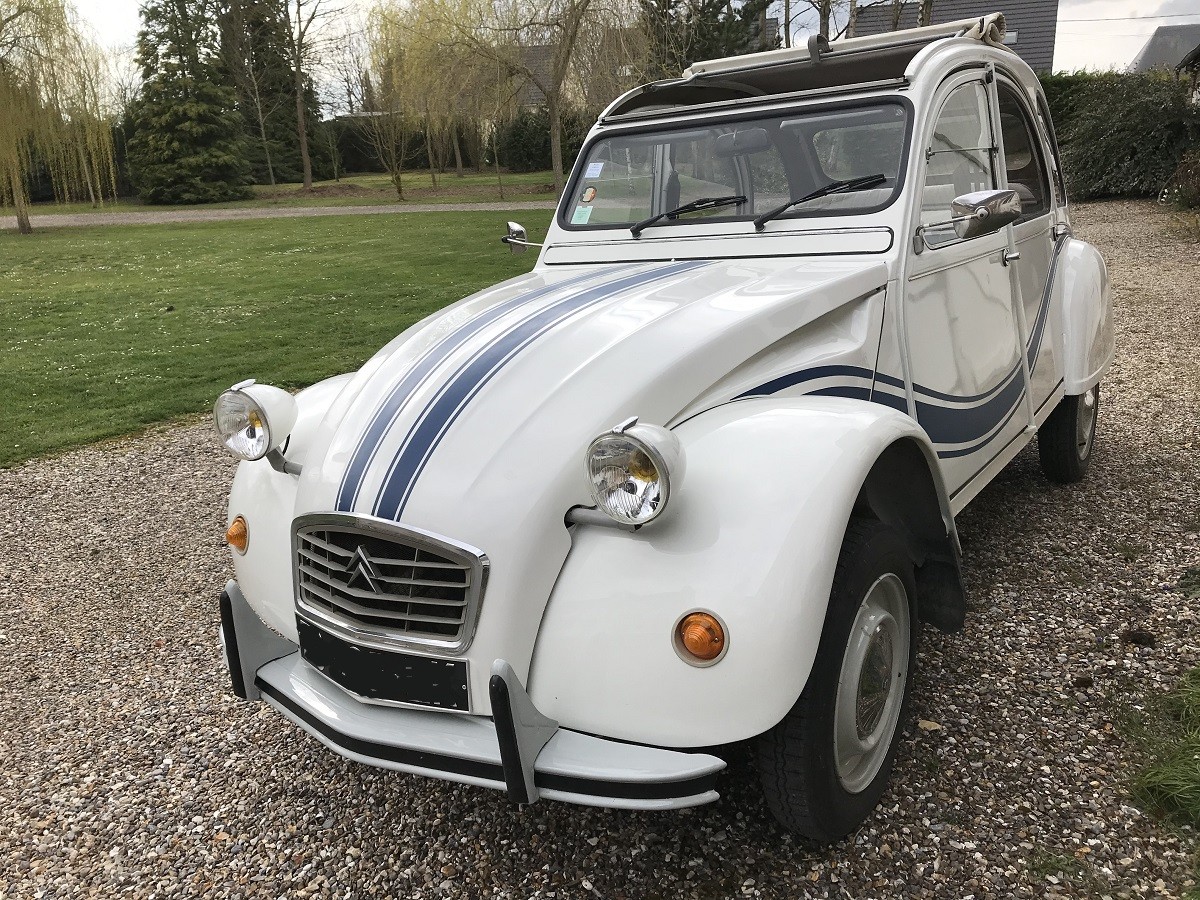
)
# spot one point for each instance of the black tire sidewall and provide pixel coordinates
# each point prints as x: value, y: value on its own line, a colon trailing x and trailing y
x: 879, y: 552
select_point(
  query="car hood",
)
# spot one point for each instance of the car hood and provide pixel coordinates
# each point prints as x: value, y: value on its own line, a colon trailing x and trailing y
x: 473, y: 424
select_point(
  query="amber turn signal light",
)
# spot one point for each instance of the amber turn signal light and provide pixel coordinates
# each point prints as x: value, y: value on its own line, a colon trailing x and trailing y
x: 701, y: 636
x: 237, y: 535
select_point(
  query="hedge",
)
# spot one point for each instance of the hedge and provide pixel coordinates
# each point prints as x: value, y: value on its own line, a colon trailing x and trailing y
x: 1121, y: 135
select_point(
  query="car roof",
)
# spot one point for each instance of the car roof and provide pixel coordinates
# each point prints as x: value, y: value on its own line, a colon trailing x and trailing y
x: 860, y: 64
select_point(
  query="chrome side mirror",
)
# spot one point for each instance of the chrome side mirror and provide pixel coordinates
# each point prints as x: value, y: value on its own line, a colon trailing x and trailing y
x: 974, y: 214
x: 983, y: 212
x: 516, y: 238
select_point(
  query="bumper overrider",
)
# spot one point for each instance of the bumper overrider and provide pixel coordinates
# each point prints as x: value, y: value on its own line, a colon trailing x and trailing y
x: 517, y: 749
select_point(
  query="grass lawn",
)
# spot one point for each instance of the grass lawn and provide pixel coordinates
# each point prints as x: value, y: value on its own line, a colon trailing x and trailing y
x: 111, y: 328
x: 369, y: 189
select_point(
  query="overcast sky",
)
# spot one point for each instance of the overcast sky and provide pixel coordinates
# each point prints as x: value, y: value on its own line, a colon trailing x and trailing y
x: 1112, y: 41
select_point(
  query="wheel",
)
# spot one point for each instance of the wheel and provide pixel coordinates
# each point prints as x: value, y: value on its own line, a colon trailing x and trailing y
x: 1066, y: 439
x: 825, y: 766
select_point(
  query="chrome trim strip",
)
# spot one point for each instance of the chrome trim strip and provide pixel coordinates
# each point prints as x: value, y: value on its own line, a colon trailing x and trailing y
x: 474, y: 560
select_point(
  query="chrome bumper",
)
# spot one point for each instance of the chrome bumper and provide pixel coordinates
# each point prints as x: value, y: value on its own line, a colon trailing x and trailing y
x: 518, y: 750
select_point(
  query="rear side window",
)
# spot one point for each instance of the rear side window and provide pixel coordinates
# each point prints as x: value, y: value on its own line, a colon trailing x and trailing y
x: 1023, y: 156
x: 1056, y: 163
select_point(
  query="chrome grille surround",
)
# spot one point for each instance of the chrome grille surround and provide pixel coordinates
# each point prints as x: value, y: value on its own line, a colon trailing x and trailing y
x: 379, y: 584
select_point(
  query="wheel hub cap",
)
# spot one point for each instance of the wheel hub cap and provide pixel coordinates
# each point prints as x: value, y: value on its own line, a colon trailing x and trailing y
x: 872, y: 684
x: 1085, y: 422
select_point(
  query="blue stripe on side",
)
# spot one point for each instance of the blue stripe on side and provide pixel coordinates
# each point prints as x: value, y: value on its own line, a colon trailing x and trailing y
x: 967, y: 451
x: 944, y: 424
x: 961, y: 425
x: 853, y: 392
x: 437, y: 418
x: 435, y: 355
x: 794, y: 378
x: 883, y: 398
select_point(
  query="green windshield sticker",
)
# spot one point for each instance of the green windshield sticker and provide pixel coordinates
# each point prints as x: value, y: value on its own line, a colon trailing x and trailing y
x: 581, y: 215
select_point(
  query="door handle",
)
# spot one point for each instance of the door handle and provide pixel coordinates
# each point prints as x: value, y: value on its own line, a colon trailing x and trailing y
x: 1010, y: 256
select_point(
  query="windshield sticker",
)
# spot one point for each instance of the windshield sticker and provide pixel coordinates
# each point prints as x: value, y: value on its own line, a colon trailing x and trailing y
x: 589, y: 195
x: 581, y: 215
x: 594, y: 170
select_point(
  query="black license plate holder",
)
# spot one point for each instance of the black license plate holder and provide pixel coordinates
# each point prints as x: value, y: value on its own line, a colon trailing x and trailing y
x: 386, y: 676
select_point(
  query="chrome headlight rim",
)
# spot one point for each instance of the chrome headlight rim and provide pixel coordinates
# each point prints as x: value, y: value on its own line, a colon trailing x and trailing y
x: 660, y: 446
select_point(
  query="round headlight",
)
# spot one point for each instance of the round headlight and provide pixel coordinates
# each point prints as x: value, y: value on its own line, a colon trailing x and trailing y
x: 242, y: 425
x: 630, y: 472
x: 253, y: 419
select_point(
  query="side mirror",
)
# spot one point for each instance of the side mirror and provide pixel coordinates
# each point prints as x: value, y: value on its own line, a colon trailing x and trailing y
x: 973, y: 214
x: 983, y: 212
x: 516, y: 238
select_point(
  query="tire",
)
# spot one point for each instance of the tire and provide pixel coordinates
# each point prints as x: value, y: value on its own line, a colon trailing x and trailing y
x: 810, y: 779
x: 1067, y: 438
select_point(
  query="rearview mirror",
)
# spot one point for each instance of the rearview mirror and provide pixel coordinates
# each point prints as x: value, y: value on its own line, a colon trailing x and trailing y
x: 741, y: 143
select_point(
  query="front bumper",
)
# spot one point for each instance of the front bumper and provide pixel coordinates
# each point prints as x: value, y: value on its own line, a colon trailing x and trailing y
x: 518, y: 750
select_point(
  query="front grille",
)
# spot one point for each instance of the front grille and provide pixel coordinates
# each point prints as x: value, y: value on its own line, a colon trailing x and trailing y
x: 381, y: 584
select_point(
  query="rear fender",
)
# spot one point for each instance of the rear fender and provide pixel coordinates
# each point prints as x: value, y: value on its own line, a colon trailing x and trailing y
x: 753, y: 535
x: 1081, y: 292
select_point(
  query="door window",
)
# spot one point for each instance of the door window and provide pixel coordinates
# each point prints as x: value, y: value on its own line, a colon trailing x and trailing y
x: 1023, y: 156
x: 959, y: 159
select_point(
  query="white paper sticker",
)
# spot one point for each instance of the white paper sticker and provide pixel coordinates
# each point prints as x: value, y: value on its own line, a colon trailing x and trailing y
x: 594, y: 170
x: 581, y: 215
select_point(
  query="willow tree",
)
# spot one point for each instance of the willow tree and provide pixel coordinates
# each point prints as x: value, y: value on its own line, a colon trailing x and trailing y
x: 530, y: 40
x: 50, y: 107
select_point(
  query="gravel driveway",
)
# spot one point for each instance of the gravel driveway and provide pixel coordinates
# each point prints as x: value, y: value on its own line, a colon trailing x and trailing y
x: 129, y: 769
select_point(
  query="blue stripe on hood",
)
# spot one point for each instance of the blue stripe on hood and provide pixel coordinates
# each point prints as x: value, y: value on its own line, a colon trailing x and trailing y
x: 435, y: 355
x: 470, y: 378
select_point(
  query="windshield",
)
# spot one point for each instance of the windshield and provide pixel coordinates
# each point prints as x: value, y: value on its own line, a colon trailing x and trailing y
x: 769, y: 160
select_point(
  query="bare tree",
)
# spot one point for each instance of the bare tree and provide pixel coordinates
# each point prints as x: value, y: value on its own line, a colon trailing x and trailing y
x: 534, y: 40
x: 301, y: 16
x: 240, y: 48
x: 925, y: 14
x: 825, y: 10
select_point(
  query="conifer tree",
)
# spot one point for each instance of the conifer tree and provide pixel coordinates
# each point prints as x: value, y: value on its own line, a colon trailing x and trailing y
x: 681, y: 32
x: 187, y: 144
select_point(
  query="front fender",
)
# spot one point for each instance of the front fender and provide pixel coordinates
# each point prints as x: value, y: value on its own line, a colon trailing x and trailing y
x: 267, y: 499
x: 753, y: 534
x: 1082, y: 294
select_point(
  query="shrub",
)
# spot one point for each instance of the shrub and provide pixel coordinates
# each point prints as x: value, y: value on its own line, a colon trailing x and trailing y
x: 1122, y: 135
x: 524, y: 143
x: 1184, y: 188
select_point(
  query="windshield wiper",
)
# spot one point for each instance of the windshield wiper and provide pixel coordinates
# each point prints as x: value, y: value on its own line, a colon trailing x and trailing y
x: 834, y: 187
x: 694, y: 206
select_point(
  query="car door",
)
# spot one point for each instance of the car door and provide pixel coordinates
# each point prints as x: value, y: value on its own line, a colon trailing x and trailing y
x: 961, y: 328
x: 1033, y: 234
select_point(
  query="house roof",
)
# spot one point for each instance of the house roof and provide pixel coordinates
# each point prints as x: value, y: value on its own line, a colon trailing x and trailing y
x: 1167, y: 47
x: 1032, y: 24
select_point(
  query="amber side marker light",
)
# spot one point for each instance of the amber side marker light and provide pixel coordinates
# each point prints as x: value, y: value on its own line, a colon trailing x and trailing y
x: 237, y: 535
x: 700, y: 638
